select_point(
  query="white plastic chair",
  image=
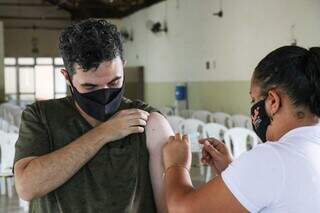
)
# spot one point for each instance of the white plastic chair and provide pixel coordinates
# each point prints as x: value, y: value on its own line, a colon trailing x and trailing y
x: 202, y: 115
x: 213, y: 130
x: 5, y: 125
x: 194, y: 129
x: 13, y: 129
x: 7, y: 146
x: 167, y: 111
x: 239, y: 140
x: 175, y: 122
x: 17, y: 118
x: 221, y: 118
x: 186, y: 113
x: 241, y: 121
x: 24, y: 205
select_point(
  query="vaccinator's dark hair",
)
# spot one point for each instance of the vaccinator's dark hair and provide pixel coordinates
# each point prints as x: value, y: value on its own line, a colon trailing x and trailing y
x: 88, y: 43
x: 296, y: 71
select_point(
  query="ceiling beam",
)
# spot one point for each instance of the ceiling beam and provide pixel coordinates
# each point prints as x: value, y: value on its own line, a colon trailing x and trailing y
x: 8, y: 4
x: 101, y: 9
x: 62, y: 4
x: 34, y: 18
x: 33, y: 28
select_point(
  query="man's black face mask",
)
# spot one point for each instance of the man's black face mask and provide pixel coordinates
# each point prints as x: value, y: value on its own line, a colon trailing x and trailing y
x: 100, y: 104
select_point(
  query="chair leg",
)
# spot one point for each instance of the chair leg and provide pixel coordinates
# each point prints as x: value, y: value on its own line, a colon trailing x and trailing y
x: 208, y: 173
x: 3, y: 185
x: 24, y: 204
x: 201, y: 166
x: 9, y: 187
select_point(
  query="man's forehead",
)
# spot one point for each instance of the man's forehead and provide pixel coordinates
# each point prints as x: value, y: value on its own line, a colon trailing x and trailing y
x: 106, y: 72
x: 103, y: 66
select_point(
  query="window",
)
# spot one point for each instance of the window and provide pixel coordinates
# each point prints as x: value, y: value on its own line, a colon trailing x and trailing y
x: 28, y: 79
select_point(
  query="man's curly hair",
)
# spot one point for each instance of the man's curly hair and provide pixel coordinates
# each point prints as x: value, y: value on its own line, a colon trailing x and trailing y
x: 89, y: 43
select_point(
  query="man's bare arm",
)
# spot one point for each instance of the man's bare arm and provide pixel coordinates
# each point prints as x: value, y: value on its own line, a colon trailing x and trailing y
x: 36, y: 176
x: 158, y: 131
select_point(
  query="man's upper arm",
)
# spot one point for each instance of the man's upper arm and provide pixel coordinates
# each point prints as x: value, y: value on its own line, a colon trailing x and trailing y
x: 158, y: 132
x: 33, y: 137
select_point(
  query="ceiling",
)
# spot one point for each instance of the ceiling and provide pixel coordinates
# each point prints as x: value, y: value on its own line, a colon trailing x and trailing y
x: 80, y: 9
x: 56, y: 14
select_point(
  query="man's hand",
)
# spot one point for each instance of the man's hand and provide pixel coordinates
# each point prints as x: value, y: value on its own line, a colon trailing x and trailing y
x: 177, y: 152
x: 124, y: 123
x: 215, y: 154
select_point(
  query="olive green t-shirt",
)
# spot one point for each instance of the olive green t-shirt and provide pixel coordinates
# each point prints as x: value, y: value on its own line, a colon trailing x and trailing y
x: 115, y: 180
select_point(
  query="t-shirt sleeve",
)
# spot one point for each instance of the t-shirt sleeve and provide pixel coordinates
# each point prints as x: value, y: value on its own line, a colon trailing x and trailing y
x: 33, y: 137
x: 146, y: 107
x: 256, y: 178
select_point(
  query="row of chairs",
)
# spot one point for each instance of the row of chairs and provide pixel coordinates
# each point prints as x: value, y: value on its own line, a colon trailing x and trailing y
x: 225, y: 119
x: 237, y: 140
x: 8, y: 138
x: 7, y: 147
x: 11, y: 113
x: 7, y: 127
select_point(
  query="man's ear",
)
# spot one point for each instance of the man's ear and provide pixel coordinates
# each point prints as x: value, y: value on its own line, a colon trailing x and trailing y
x: 273, y: 102
x: 65, y: 73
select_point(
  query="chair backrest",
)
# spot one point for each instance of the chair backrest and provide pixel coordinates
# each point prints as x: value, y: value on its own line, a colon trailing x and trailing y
x: 215, y: 130
x: 13, y: 129
x: 7, y: 145
x: 195, y: 129
x: 239, y: 140
x: 175, y: 122
x: 5, y: 125
x: 221, y: 118
x: 186, y: 113
x: 202, y: 115
x: 17, y: 118
x: 241, y: 121
x: 167, y: 111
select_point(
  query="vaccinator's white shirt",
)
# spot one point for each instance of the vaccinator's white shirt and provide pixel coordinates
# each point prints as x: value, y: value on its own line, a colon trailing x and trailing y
x: 279, y: 177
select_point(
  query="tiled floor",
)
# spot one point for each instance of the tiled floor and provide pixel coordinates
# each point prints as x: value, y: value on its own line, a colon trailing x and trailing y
x: 10, y: 205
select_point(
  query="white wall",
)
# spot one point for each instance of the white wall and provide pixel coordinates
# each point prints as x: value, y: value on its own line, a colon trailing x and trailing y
x: 247, y: 32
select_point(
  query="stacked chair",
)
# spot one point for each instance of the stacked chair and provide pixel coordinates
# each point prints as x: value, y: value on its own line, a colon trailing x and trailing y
x: 234, y: 130
x: 10, y: 117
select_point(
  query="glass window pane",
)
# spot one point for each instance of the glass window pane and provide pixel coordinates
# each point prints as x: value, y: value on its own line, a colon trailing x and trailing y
x: 60, y: 82
x: 26, y: 79
x: 26, y: 61
x: 60, y: 96
x: 10, y: 80
x: 9, y: 61
x: 11, y: 97
x: 58, y: 61
x: 45, y: 61
x: 24, y: 97
x: 44, y: 82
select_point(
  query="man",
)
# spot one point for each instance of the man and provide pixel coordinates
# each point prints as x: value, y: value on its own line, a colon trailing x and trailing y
x: 95, y: 151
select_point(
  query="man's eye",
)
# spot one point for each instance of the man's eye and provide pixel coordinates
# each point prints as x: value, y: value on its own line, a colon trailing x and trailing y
x: 90, y: 87
x: 114, y: 84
